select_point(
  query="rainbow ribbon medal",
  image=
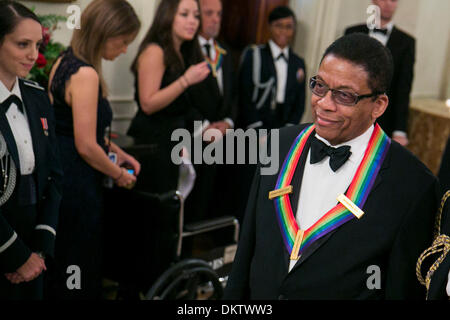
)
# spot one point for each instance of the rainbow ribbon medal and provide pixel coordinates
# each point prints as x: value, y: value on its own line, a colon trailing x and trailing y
x: 218, y: 61
x: 296, y: 240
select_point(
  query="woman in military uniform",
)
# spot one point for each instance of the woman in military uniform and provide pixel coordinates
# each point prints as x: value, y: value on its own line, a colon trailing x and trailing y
x: 30, y: 173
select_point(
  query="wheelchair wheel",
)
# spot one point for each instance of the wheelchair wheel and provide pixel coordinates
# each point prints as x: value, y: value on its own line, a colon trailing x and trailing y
x: 189, y: 279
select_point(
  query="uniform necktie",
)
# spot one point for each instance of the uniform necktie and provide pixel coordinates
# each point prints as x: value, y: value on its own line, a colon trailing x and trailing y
x: 12, y: 99
x: 338, y: 156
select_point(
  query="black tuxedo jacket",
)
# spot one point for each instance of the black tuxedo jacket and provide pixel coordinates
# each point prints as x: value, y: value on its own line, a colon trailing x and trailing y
x: 393, y: 232
x: 15, y: 219
x: 402, y: 47
x: 206, y: 95
x: 294, y: 105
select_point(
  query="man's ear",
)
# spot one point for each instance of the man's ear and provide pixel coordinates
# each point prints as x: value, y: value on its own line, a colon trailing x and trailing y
x: 381, y: 103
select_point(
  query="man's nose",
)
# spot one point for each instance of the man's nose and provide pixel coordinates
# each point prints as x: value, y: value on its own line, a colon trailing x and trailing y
x: 327, y: 102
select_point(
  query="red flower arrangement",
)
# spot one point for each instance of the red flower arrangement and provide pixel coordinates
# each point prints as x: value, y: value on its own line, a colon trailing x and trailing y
x: 49, y: 50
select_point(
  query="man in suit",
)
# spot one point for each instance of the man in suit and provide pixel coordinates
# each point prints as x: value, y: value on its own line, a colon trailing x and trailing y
x: 274, y: 95
x: 402, y: 46
x: 214, y: 99
x: 29, y: 207
x: 300, y: 242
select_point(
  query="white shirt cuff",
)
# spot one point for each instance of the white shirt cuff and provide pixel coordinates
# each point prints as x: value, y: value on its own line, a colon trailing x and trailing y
x: 399, y: 133
x: 255, y: 125
x: 230, y: 122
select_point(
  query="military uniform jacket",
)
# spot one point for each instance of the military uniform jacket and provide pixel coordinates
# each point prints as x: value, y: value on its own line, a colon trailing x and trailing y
x: 294, y: 105
x: 396, y: 227
x: 20, y: 234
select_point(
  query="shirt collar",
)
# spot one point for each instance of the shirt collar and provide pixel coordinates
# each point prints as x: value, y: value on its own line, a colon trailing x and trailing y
x: 357, y: 145
x: 389, y: 27
x: 276, y: 50
x: 5, y: 93
x: 203, y: 41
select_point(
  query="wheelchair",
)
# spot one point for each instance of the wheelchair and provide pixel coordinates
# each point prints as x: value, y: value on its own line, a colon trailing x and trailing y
x: 151, y: 254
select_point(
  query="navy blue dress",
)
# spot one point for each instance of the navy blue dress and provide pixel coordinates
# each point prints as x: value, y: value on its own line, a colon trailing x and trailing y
x: 78, y: 241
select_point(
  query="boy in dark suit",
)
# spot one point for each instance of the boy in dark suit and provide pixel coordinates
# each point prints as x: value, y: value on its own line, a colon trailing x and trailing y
x: 350, y: 211
x: 402, y: 46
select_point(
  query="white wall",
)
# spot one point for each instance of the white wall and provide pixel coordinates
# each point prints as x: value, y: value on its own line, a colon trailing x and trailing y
x: 322, y: 21
x: 117, y: 74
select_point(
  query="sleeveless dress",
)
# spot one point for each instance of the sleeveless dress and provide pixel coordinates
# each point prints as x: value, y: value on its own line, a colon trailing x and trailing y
x: 159, y: 174
x: 79, y: 229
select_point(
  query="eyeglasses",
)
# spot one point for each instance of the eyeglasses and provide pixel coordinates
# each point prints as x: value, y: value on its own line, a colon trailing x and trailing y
x: 287, y: 27
x: 345, y: 98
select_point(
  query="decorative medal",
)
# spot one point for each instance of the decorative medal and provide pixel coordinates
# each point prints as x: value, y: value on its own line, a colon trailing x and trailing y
x: 217, y: 63
x: 44, y: 125
x: 296, y: 240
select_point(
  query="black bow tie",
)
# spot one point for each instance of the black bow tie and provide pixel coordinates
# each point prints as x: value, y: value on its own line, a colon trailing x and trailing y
x: 12, y: 99
x: 383, y: 31
x: 282, y: 56
x: 338, y: 156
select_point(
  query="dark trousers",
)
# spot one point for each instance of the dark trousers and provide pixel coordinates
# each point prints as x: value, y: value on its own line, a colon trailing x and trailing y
x: 32, y: 290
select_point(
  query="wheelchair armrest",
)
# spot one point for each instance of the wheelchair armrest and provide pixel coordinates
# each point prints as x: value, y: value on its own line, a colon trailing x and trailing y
x: 208, y: 224
x: 161, y: 197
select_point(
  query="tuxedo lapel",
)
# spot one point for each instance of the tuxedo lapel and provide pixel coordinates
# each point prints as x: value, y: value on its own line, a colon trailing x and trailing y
x: 392, y: 39
x: 380, y: 176
x: 9, y: 138
x: 291, y: 76
x: 270, y: 62
x: 34, y: 121
x: 296, y: 185
x: 225, y: 72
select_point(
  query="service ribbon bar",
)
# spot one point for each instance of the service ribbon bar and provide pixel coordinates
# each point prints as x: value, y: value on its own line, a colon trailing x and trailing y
x: 357, y: 192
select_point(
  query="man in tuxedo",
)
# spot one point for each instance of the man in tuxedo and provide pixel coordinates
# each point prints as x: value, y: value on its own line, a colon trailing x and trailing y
x: 299, y: 241
x: 272, y: 77
x: 402, y: 46
x: 214, y: 99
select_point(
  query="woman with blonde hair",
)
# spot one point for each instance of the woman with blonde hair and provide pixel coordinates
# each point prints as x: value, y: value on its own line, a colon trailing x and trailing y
x: 78, y: 93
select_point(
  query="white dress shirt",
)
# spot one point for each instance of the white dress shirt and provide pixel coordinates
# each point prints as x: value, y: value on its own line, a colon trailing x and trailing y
x: 20, y: 129
x: 219, y: 73
x: 383, y: 38
x: 281, y: 67
x: 321, y: 185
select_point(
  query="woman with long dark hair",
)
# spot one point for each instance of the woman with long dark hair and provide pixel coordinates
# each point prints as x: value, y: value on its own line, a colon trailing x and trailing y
x: 83, y: 115
x: 30, y: 171
x: 168, y: 62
